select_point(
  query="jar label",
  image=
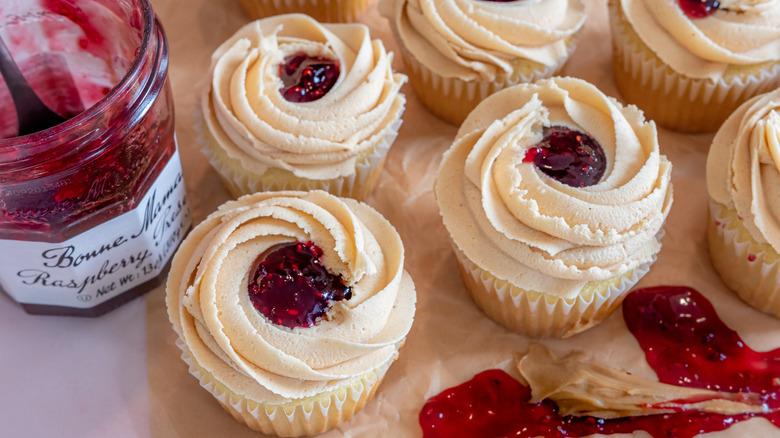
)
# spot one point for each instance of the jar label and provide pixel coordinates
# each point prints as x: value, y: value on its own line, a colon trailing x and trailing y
x: 104, y: 261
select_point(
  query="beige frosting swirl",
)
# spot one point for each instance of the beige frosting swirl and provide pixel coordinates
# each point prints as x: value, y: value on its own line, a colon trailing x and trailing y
x: 479, y: 40
x: 524, y: 227
x: 741, y: 32
x: 209, y: 305
x: 322, y: 139
x: 743, y: 167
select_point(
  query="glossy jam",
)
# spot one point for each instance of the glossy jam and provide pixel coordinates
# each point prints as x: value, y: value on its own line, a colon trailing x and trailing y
x: 688, y: 345
x: 307, y: 78
x: 699, y: 8
x: 568, y: 156
x: 291, y: 287
x: 66, y: 180
x: 685, y: 343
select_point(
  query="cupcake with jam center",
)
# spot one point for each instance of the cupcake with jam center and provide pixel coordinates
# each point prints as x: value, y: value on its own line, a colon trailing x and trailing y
x: 458, y: 52
x: 292, y: 104
x: 554, y: 196
x: 326, y: 11
x: 743, y: 180
x: 290, y: 307
x: 688, y: 64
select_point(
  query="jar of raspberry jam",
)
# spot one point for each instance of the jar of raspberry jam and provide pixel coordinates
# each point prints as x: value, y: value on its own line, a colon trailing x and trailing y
x: 92, y: 209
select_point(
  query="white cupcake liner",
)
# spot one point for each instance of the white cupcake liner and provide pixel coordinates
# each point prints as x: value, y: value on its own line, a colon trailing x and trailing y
x: 304, y: 417
x: 672, y: 99
x: 324, y: 11
x: 356, y: 185
x: 743, y: 264
x: 544, y: 315
x: 453, y: 98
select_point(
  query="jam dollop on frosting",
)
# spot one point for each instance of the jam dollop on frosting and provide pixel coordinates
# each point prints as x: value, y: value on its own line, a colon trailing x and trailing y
x: 685, y: 343
x: 307, y: 78
x: 699, y: 8
x: 291, y: 287
x: 568, y: 156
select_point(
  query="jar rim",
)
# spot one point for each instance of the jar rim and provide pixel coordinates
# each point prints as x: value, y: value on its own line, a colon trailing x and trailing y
x: 128, y: 80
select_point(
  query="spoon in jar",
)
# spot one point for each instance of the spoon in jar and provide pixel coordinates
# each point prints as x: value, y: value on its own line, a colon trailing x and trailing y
x: 33, y: 115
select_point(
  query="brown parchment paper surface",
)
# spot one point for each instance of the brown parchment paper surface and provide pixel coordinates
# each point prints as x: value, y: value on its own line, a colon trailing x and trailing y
x: 451, y: 340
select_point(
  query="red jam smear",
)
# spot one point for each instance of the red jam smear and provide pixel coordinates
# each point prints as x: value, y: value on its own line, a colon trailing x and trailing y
x: 685, y: 343
x: 307, y: 78
x: 292, y: 288
x: 568, y: 156
x: 699, y: 8
x: 688, y: 345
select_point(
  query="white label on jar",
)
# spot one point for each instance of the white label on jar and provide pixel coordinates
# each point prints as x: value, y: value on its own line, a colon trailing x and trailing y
x: 106, y: 260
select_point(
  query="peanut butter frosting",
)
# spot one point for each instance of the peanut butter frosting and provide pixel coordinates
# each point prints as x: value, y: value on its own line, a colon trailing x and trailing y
x: 322, y: 139
x: 481, y: 40
x: 580, y: 386
x: 740, y: 32
x: 525, y: 227
x: 209, y: 306
x: 743, y: 167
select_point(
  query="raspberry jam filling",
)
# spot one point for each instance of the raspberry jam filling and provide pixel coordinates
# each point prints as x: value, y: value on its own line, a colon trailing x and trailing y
x: 307, y: 78
x: 685, y: 342
x: 699, y: 8
x: 568, y: 156
x: 292, y: 288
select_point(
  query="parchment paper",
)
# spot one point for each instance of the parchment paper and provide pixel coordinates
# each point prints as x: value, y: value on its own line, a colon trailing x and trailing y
x: 451, y: 340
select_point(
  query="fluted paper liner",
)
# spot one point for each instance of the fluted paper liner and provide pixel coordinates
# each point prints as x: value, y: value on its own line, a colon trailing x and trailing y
x: 671, y: 99
x: 543, y: 315
x: 749, y: 268
x: 452, y: 98
x: 324, y: 11
x: 240, y: 182
x: 301, y: 417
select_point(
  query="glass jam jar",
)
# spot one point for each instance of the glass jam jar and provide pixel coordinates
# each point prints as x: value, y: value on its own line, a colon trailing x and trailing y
x: 91, y: 210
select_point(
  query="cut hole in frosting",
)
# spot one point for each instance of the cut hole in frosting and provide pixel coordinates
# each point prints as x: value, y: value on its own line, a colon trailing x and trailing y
x: 568, y: 156
x: 307, y: 78
x: 292, y: 288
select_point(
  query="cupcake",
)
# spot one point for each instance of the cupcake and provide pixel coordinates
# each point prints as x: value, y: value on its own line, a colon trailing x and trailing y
x: 554, y: 196
x: 743, y: 181
x: 688, y: 64
x: 327, y: 11
x: 290, y: 307
x: 291, y: 104
x: 457, y: 52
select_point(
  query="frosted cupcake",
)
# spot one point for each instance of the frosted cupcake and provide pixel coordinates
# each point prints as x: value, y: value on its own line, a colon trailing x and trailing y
x: 743, y: 180
x: 554, y: 196
x: 457, y: 52
x: 688, y: 64
x: 290, y: 307
x: 291, y: 104
x: 326, y: 11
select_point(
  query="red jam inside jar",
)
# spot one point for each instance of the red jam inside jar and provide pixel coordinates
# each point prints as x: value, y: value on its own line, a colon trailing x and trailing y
x: 92, y: 209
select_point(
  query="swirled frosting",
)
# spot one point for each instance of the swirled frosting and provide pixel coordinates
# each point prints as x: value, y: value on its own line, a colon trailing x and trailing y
x: 253, y: 123
x: 211, y: 312
x: 743, y: 167
x: 740, y: 32
x: 524, y: 227
x: 480, y: 40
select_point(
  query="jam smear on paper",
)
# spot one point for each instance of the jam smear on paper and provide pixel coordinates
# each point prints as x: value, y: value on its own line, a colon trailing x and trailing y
x: 686, y: 344
x: 292, y: 288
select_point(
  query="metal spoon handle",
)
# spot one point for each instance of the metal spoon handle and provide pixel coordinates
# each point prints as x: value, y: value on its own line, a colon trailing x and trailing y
x: 32, y: 113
